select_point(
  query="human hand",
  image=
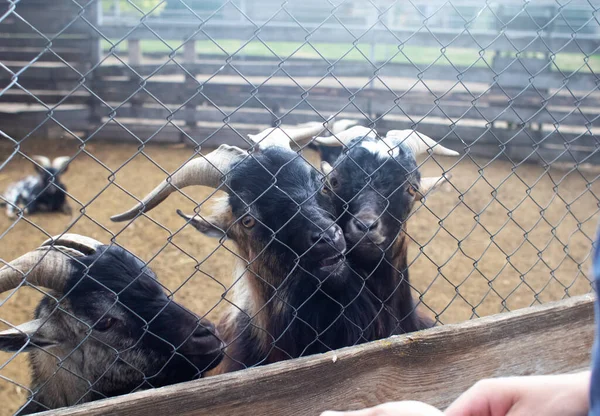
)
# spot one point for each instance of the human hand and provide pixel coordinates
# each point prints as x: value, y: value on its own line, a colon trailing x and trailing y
x: 560, y: 395
x: 406, y: 408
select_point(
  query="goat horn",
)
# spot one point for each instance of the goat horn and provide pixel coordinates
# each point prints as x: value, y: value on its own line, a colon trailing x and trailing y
x: 208, y: 171
x: 281, y: 137
x: 82, y: 244
x: 46, y: 267
x: 417, y: 142
x: 345, y: 137
x: 341, y: 125
x: 431, y: 184
x: 42, y: 160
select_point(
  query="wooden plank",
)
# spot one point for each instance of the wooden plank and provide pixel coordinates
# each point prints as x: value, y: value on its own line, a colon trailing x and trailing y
x: 189, y: 52
x: 209, y: 137
x: 434, y: 366
x: 492, y: 106
x: 81, y: 42
x: 414, y: 104
x: 513, y: 76
x: 172, y: 92
x: 40, y: 74
x: 47, y: 20
x: 433, y: 37
x: 134, y: 51
x: 71, y: 56
x: 514, y: 145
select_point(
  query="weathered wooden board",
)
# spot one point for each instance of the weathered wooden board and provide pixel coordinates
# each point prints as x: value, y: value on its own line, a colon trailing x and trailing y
x: 232, y: 95
x: 36, y: 41
x: 509, y: 73
x: 434, y: 366
x: 72, y: 56
x: 292, y: 32
x: 143, y: 123
x: 64, y: 17
x: 489, y: 108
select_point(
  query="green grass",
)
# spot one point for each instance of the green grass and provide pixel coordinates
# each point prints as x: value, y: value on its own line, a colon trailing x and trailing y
x: 421, y: 56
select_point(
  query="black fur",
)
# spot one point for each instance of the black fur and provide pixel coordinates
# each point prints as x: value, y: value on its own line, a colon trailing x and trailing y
x: 380, y: 184
x: 139, y: 337
x: 307, y: 310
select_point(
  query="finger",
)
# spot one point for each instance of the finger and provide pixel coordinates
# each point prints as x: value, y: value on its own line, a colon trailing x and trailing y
x: 486, y: 398
x: 363, y: 412
x: 404, y: 408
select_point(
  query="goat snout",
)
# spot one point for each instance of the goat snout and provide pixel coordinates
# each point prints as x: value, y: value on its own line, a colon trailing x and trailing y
x: 204, y: 341
x: 331, y: 240
x: 365, y: 228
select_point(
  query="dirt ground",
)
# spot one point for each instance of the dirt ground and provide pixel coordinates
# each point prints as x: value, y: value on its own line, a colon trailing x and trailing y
x: 508, y: 237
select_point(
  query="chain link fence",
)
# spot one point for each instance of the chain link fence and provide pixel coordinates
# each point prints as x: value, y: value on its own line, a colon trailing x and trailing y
x: 294, y: 256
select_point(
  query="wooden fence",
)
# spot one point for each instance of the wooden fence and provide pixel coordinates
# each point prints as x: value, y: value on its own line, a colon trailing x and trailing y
x: 514, y: 106
x: 434, y: 366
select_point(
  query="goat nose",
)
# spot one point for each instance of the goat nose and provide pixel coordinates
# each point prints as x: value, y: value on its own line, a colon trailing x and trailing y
x: 365, y: 223
x: 330, y: 238
x: 204, y: 340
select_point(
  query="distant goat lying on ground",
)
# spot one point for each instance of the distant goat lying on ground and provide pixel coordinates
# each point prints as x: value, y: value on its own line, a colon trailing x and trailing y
x: 105, y: 328
x: 43, y: 192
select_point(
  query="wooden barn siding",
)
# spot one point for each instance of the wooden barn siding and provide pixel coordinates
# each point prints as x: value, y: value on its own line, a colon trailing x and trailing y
x: 434, y: 366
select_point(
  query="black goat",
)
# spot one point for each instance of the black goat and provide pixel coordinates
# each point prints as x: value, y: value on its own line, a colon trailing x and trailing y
x: 39, y: 193
x: 105, y: 328
x: 374, y: 186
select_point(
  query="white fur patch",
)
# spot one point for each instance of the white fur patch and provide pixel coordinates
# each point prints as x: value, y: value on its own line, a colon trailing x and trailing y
x: 379, y: 148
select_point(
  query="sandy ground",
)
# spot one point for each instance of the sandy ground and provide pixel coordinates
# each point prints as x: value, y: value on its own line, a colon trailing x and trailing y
x: 509, y: 237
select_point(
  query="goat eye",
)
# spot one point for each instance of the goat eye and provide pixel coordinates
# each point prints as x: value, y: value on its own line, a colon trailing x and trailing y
x: 411, y: 190
x: 248, y: 221
x: 325, y: 190
x: 104, y: 324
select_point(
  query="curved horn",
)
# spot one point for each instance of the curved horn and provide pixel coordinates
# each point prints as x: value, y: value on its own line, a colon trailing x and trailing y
x: 208, y: 171
x: 46, y: 267
x: 417, y: 142
x: 42, y: 160
x: 81, y: 243
x: 431, y: 184
x: 341, y: 125
x: 281, y: 137
x: 346, y: 136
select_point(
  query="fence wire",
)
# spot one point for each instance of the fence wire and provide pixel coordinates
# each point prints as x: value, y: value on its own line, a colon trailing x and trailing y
x: 281, y: 255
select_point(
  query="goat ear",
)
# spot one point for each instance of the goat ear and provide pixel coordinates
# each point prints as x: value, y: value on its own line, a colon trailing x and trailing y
x: 209, y: 229
x: 42, y: 163
x: 61, y: 163
x: 431, y: 184
x: 24, y: 337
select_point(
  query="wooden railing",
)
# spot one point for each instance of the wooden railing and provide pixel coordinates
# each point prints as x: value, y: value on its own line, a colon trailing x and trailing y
x: 434, y: 366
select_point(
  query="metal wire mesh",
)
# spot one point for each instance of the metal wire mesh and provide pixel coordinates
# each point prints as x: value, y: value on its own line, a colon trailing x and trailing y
x: 132, y: 90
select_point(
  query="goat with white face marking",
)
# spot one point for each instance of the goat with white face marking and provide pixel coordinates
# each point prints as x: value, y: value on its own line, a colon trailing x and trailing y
x: 43, y: 192
x: 375, y: 185
x: 295, y: 296
x: 105, y: 328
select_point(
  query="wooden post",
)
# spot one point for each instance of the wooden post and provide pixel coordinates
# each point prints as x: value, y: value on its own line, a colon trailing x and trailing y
x: 190, y: 84
x: 189, y: 51
x: 134, y: 51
